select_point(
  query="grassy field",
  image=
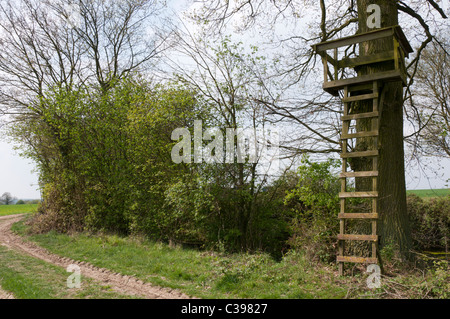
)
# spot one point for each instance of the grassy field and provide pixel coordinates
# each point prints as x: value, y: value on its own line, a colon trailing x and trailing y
x: 429, y: 193
x: 208, y: 274
x: 17, y: 209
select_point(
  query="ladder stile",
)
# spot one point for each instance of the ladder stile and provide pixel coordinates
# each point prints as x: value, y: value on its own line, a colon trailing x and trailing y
x: 345, y: 194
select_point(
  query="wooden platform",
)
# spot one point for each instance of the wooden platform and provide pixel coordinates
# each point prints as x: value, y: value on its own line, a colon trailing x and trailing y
x: 333, y: 87
x: 394, y: 31
x: 334, y: 81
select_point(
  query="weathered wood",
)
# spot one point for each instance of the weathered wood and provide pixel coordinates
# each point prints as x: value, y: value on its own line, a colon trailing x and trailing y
x: 359, y: 134
x: 353, y: 39
x: 360, y: 154
x: 359, y: 174
x: 360, y: 97
x: 357, y: 237
x: 367, y: 36
x: 362, y: 260
x: 359, y: 116
x: 396, y: 53
x: 360, y: 87
x: 358, y: 216
x: 325, y: 68
x: 392, y: 75
x: 370, y: 194
x: 366, y: 59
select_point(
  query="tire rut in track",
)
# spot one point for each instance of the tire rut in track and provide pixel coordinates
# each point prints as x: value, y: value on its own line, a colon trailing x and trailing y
x: 5, y: 295
x: 120, y: 283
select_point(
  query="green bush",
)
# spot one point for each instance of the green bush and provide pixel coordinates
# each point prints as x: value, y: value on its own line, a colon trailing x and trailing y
x: 430, y: 222
x: 314, y: 203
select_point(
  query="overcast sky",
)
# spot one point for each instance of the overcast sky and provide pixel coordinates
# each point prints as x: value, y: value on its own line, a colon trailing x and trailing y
x: 16, y: 174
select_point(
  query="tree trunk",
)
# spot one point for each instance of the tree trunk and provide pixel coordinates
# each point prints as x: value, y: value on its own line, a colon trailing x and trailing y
x: 393, y: 225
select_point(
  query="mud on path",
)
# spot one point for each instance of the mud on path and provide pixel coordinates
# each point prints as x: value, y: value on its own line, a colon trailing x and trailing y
x: 5, y: 295
x: 123, y: 284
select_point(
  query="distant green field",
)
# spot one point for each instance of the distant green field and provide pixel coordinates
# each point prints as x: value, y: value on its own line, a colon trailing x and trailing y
x: 428, y: 193
x: 17, y: 209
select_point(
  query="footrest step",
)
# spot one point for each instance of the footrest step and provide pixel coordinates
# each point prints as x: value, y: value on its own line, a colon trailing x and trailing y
x: 360, y: 154
x: 359, y: 134
x: 358, y: 216
x: 360, y: 97
x: 358, y: 116
x: 362, y: 260
x: 357, y: 237
x: 358, y: 194
x: 359, y: 174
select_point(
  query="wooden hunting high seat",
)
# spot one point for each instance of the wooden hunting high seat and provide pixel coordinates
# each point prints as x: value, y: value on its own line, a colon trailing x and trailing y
x: 340, y: 74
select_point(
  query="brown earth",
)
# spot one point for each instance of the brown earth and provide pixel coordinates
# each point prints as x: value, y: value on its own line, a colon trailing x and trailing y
x: 123, y: 284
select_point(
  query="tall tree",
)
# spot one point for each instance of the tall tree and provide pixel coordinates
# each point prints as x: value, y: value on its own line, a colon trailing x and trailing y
x: 430, y: 108
x: 393, y: 219
x: 225, y: 79
x: 7, y: 198
x: 338, y: 18
x: 66, y: 43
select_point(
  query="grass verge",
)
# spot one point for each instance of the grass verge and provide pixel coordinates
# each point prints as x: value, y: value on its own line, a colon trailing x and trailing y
x: 208, y: 274
x: 198, y: 273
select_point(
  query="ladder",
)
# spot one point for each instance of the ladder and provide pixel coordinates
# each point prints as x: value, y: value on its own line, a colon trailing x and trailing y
x: 361, y: 87
x: 352, y: 93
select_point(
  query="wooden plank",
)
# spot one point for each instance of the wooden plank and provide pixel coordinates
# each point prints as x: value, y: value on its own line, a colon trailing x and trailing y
x: 357, y: 237
x: 359, y: 174
x: 353, y: 39
x: 360, y: 154
x: 365, y: 59
x: 352, y: 259
x: 325, y: 69
x: 359, y: 134
x: 396, y: 53
x: 360, y: 97
x: 359, y: 116
x: 368, y: 36
x: 406, y: 47
x: 358, y: 216
x: 360, y: 87
x: 392, y: 75
x: 370, y: 194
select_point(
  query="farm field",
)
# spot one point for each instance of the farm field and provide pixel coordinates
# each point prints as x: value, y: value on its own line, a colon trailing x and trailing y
x: 17, y: 209
x: 429, y: 193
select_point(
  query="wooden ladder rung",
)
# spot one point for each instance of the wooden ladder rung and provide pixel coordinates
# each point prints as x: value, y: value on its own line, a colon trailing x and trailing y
x: 359, y: 134
x: 360, y: 154
x: 360, y: 87
x: 359, y: 116
x: 359, y: 174
x: 392, y: 75
x: 357, y: 237
x: 358, y: 194
x: 352, y: 259
x: 360, y: 97
x: 358, y: 216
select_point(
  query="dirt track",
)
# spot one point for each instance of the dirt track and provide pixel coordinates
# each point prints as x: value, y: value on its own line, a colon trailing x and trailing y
x: 122, y: 284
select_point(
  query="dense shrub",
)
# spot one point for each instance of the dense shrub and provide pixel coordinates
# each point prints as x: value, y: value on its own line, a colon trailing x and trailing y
x: 104, y: 158
x: 314, y: 204
x: 430, y: 222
